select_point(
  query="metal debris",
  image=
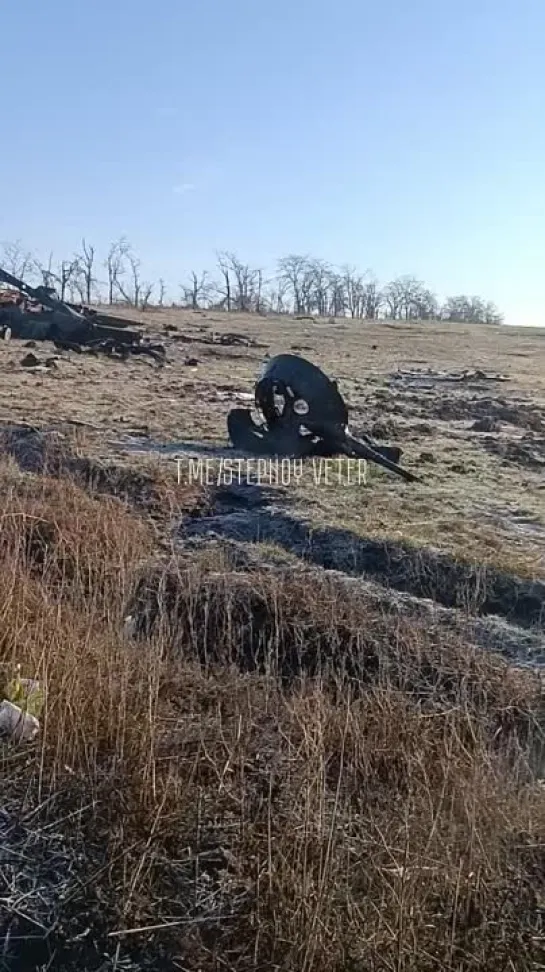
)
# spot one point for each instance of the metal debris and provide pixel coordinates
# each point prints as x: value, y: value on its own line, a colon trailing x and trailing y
x: 36, y: 313
x: 428, y: 377
x: 304, y: 415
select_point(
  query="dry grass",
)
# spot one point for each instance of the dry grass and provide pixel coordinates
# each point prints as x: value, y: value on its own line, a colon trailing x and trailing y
x: 362, y: 799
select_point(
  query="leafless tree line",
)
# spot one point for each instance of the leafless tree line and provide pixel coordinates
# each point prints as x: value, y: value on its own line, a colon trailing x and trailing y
x: 301, y: 285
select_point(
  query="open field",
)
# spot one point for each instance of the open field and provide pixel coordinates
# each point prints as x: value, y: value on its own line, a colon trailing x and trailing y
x: 317, y: 743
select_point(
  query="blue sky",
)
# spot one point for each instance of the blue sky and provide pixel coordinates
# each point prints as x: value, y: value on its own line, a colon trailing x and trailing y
x: 405, y: 136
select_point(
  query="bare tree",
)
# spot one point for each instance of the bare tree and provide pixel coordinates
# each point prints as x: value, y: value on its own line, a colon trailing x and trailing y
x: 337, y: 297
x: 259, y: 292
x: 373, y: 299
x: 65, y: 275
x: 241, y: 282
x: 61, y: 278
x: 491, y: 314
x: 409, y: 289
x: 316, y: 287
x: 46, y: 272
x: 116, y: 264
x: 425, y: 304
x: 302, y: 284
x: 470, y: 310
x: 146, y: 291
x: 86, y: 282
x: 136, y: 292
x: 198, y: 291
x: 16, y: 259
x: 277, y: 297
x: 353, y: 286
x: 162, y: 291
x: 293, y: 273
x: 224, y: 289
x: 393, y: 296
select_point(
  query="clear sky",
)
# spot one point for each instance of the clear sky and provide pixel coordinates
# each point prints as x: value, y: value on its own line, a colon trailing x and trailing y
x: 405, y: 136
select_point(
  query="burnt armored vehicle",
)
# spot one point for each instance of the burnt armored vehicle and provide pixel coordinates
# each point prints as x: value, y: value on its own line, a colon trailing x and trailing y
x: 37, y: 313
x: 303, y: 414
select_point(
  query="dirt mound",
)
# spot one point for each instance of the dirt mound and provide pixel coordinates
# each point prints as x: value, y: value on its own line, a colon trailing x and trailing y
x: 529, y: 451
x: 423, y: 572
x: 458, y: 408
x: 153, y: 493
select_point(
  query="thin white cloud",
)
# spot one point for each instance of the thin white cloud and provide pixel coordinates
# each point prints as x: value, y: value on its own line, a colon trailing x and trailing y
x: 183, y: 187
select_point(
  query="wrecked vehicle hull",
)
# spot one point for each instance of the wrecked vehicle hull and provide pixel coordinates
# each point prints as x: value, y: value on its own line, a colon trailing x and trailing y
x: 36, y: 314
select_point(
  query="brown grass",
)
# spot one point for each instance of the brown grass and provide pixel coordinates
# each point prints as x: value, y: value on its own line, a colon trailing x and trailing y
x: 372, y: 810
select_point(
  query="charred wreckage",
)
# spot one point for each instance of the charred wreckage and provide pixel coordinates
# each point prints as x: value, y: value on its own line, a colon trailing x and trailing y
x: 37, y: 314
x: 303, y: 414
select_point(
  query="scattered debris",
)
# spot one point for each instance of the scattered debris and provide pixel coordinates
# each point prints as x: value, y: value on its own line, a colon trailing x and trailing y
x: 191, y: 362
x: 230, y: 339
x: 36, y: 313
x: 16, y: 724
x: 429, y: 375
x: 304, y: 415
x: 20, y: 708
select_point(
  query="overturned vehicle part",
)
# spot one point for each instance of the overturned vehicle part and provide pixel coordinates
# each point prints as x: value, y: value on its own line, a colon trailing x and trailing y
x: 304, y: 414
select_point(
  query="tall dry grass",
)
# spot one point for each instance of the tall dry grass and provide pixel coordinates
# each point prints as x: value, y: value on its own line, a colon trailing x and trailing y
x: 208, y: 797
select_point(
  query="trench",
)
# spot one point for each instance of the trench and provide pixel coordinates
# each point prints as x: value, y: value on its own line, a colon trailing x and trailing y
x: 423, y: 572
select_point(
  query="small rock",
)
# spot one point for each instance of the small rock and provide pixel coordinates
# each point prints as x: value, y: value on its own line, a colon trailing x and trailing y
x: 191, y: 362
x: 30, y: 344
x: 51, y: 362
x: 427, y: 457
x: 30, y: 360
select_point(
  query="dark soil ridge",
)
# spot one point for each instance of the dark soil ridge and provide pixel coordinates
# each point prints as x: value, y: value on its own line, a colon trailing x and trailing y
x: 423, y: 572
x: 45, y: 453
x: 155, y: 595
